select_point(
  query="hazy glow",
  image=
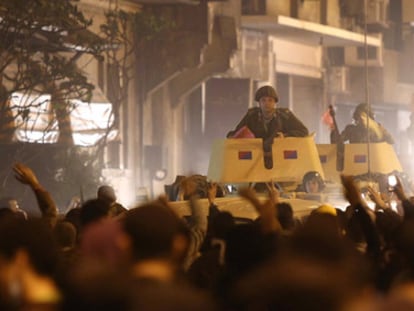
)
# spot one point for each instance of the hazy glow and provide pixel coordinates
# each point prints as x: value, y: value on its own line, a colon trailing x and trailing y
x: 37, y: 136
x: 35, y: 122
x: 393, y: 205
x: 91, y: 116
x: 371, y: 204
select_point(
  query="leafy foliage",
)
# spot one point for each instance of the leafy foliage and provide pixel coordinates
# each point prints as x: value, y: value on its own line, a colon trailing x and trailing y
x: 41, y: 41
x: 124, y: 32
x: 78, y: 172
x: 40, y: 44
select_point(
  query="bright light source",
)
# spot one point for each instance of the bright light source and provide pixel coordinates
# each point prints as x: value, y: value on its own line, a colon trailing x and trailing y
x: 36, y: 123
x: 393, y: 205
x: 160, y: 174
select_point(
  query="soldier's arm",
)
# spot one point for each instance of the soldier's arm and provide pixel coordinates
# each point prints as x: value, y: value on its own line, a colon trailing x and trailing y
x: 346, y: 134
x: 293, y: 126
x: 243, y: 122
x: 387, y: 137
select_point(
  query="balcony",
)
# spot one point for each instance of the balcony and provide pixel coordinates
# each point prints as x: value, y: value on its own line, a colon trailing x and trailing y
x: 193, y: 2
x: 305, y: 32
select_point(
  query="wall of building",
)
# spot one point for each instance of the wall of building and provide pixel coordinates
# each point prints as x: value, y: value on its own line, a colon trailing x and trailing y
x: 310, y: 11
x: 296, y: 58
x: 407, y: 11
x: 254, y: 55
x: 173, y: 122
x: 123, y: 175
x: 278, y: 7
x: 333, y: 17
x: 307, y: 103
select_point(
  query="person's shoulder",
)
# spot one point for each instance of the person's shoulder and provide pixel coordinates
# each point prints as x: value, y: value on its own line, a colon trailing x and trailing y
x: 352, y: 127
x: 284, y: 112
x: 253, y: 111
x: 117, y: 209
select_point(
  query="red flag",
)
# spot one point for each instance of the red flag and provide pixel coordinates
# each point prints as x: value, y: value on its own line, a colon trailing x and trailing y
x: 327, y: 119
x: 243, y: 132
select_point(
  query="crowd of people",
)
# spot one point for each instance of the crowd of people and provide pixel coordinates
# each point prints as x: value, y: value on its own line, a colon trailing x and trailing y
x: 102, y: 256
x: 98, y: 255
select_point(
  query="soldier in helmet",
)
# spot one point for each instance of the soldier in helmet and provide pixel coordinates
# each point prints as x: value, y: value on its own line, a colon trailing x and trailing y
x: 363, y: 123
x: 267, y: 121
x: 313, y: 182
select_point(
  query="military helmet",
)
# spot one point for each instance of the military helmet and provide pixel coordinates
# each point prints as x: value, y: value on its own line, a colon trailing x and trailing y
x: 266, y: 90
x: 313, y: 175
x: 363, y: 107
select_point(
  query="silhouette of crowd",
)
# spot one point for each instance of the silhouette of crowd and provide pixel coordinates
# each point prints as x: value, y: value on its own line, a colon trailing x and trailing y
x: 102, y: 256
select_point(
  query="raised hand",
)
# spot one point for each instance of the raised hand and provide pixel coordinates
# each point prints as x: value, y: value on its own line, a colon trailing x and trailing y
x: 46, y: 204
x: 376, y: 197
x: 399, y: 190
x: 266, y: 210
x: 25, y: 175
x: 351, y: 191
x: 274, y: 193
x: 211, y: 192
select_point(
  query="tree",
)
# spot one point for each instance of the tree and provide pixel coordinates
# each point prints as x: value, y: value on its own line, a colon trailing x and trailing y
x: 41, y: 42
x: 125, y: 32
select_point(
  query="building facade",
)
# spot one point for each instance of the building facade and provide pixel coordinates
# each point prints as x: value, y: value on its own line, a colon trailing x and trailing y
x: 191, y: 87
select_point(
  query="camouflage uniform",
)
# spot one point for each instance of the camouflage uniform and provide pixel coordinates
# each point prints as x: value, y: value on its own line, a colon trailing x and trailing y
x: 357, y: 133
x: 283, y: 121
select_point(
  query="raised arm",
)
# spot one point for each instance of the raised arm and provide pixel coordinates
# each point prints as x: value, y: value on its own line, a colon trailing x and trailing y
x: 408, y: 206
x: 268, y: 218
x: 354, y: 197
x: 386, y: 136
x: 46, y: 204
x: 245, y: 121
x: 377, y: 199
